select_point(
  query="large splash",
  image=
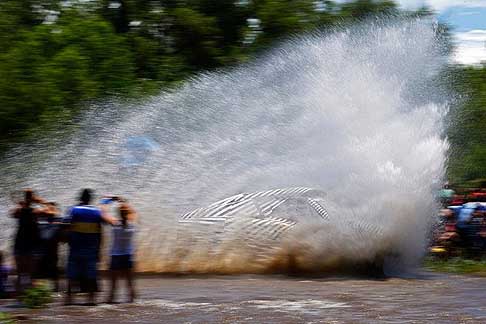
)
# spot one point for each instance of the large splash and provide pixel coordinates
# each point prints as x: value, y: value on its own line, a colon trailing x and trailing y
x: 354, y: 113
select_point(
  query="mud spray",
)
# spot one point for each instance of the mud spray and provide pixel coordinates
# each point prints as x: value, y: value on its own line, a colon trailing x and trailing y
x: 353, y: 113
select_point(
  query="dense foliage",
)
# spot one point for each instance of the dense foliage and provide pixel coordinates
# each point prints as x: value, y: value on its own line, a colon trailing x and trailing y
x: 55, y: 54
x: 36, y: 297
x: 467, y: 129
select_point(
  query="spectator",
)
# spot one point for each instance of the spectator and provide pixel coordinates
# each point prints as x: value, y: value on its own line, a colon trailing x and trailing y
x: 122, y: 249
x: 446, y: 194
x: 26, y: 238
x: 4, y: 273
x: 84, y: 245
x: 50, y: 237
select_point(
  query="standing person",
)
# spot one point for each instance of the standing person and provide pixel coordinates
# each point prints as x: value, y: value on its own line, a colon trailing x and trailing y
x: 4, y: 272
x: 50, y: 237
x: 84, y: 245
x: 122, y: 249
x: 26, y: 238
x: 446, y: 194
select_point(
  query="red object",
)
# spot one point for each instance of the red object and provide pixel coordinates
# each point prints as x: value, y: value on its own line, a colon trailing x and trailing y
x: 457, y: 202
x: 478, y: 195
x: 450, y: 227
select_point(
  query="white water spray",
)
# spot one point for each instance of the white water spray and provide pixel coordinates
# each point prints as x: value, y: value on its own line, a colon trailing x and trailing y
x: 351, y: 113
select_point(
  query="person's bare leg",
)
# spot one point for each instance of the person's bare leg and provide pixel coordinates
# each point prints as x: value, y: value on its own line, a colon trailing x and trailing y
x: 131, y: 285
x: 113, y: 277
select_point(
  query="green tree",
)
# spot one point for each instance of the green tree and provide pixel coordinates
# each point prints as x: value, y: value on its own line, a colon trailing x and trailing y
x: 360, y: 9
x: 280, y: 18
x: 196, y: 37
x: 467, y: 129
x: 53, y: 56
x: 57, y: 66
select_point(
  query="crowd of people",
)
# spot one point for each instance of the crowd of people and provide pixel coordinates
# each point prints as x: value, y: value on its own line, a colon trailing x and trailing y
x: 462, y: 223
x: 41, y: 230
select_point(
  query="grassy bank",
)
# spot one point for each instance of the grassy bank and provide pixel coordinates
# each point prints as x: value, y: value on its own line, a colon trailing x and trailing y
x: 457, y: 265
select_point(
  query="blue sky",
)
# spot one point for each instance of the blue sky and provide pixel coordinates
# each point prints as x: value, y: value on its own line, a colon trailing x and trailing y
x: 465, y: 18
x: 468, y: 18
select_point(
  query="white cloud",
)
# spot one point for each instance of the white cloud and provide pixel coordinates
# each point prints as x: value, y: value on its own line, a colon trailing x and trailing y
x: 471, y: 47
x: 477, y: 35
x: 440, y: 5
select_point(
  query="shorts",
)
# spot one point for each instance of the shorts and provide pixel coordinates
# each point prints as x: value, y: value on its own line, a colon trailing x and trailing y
x: 121, y: 262
x: 82, y: 269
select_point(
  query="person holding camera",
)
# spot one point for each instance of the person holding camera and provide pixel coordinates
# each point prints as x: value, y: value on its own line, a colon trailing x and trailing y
x: 85, y: 221
x: 27, y: 237
x: 122, y: 247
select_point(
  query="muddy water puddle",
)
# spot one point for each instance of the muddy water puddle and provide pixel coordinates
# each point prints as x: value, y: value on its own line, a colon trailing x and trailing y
x: 272, y: 299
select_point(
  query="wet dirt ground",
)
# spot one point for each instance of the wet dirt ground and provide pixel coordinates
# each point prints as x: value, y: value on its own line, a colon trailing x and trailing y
x: 426, y: 298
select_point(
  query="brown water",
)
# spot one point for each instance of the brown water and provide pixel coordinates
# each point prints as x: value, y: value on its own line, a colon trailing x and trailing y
x: 273, y: 299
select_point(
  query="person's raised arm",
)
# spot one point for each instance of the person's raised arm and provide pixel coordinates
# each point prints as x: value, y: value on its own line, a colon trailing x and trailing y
x: 41, y: 212
x: 39, y: 200
x: 44, y: 210
x: 132, y: 214
x: 106, y: 217
x: 15, y: 212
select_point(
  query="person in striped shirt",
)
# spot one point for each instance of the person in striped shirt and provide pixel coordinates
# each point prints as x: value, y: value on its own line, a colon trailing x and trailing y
x: 84, y: 246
